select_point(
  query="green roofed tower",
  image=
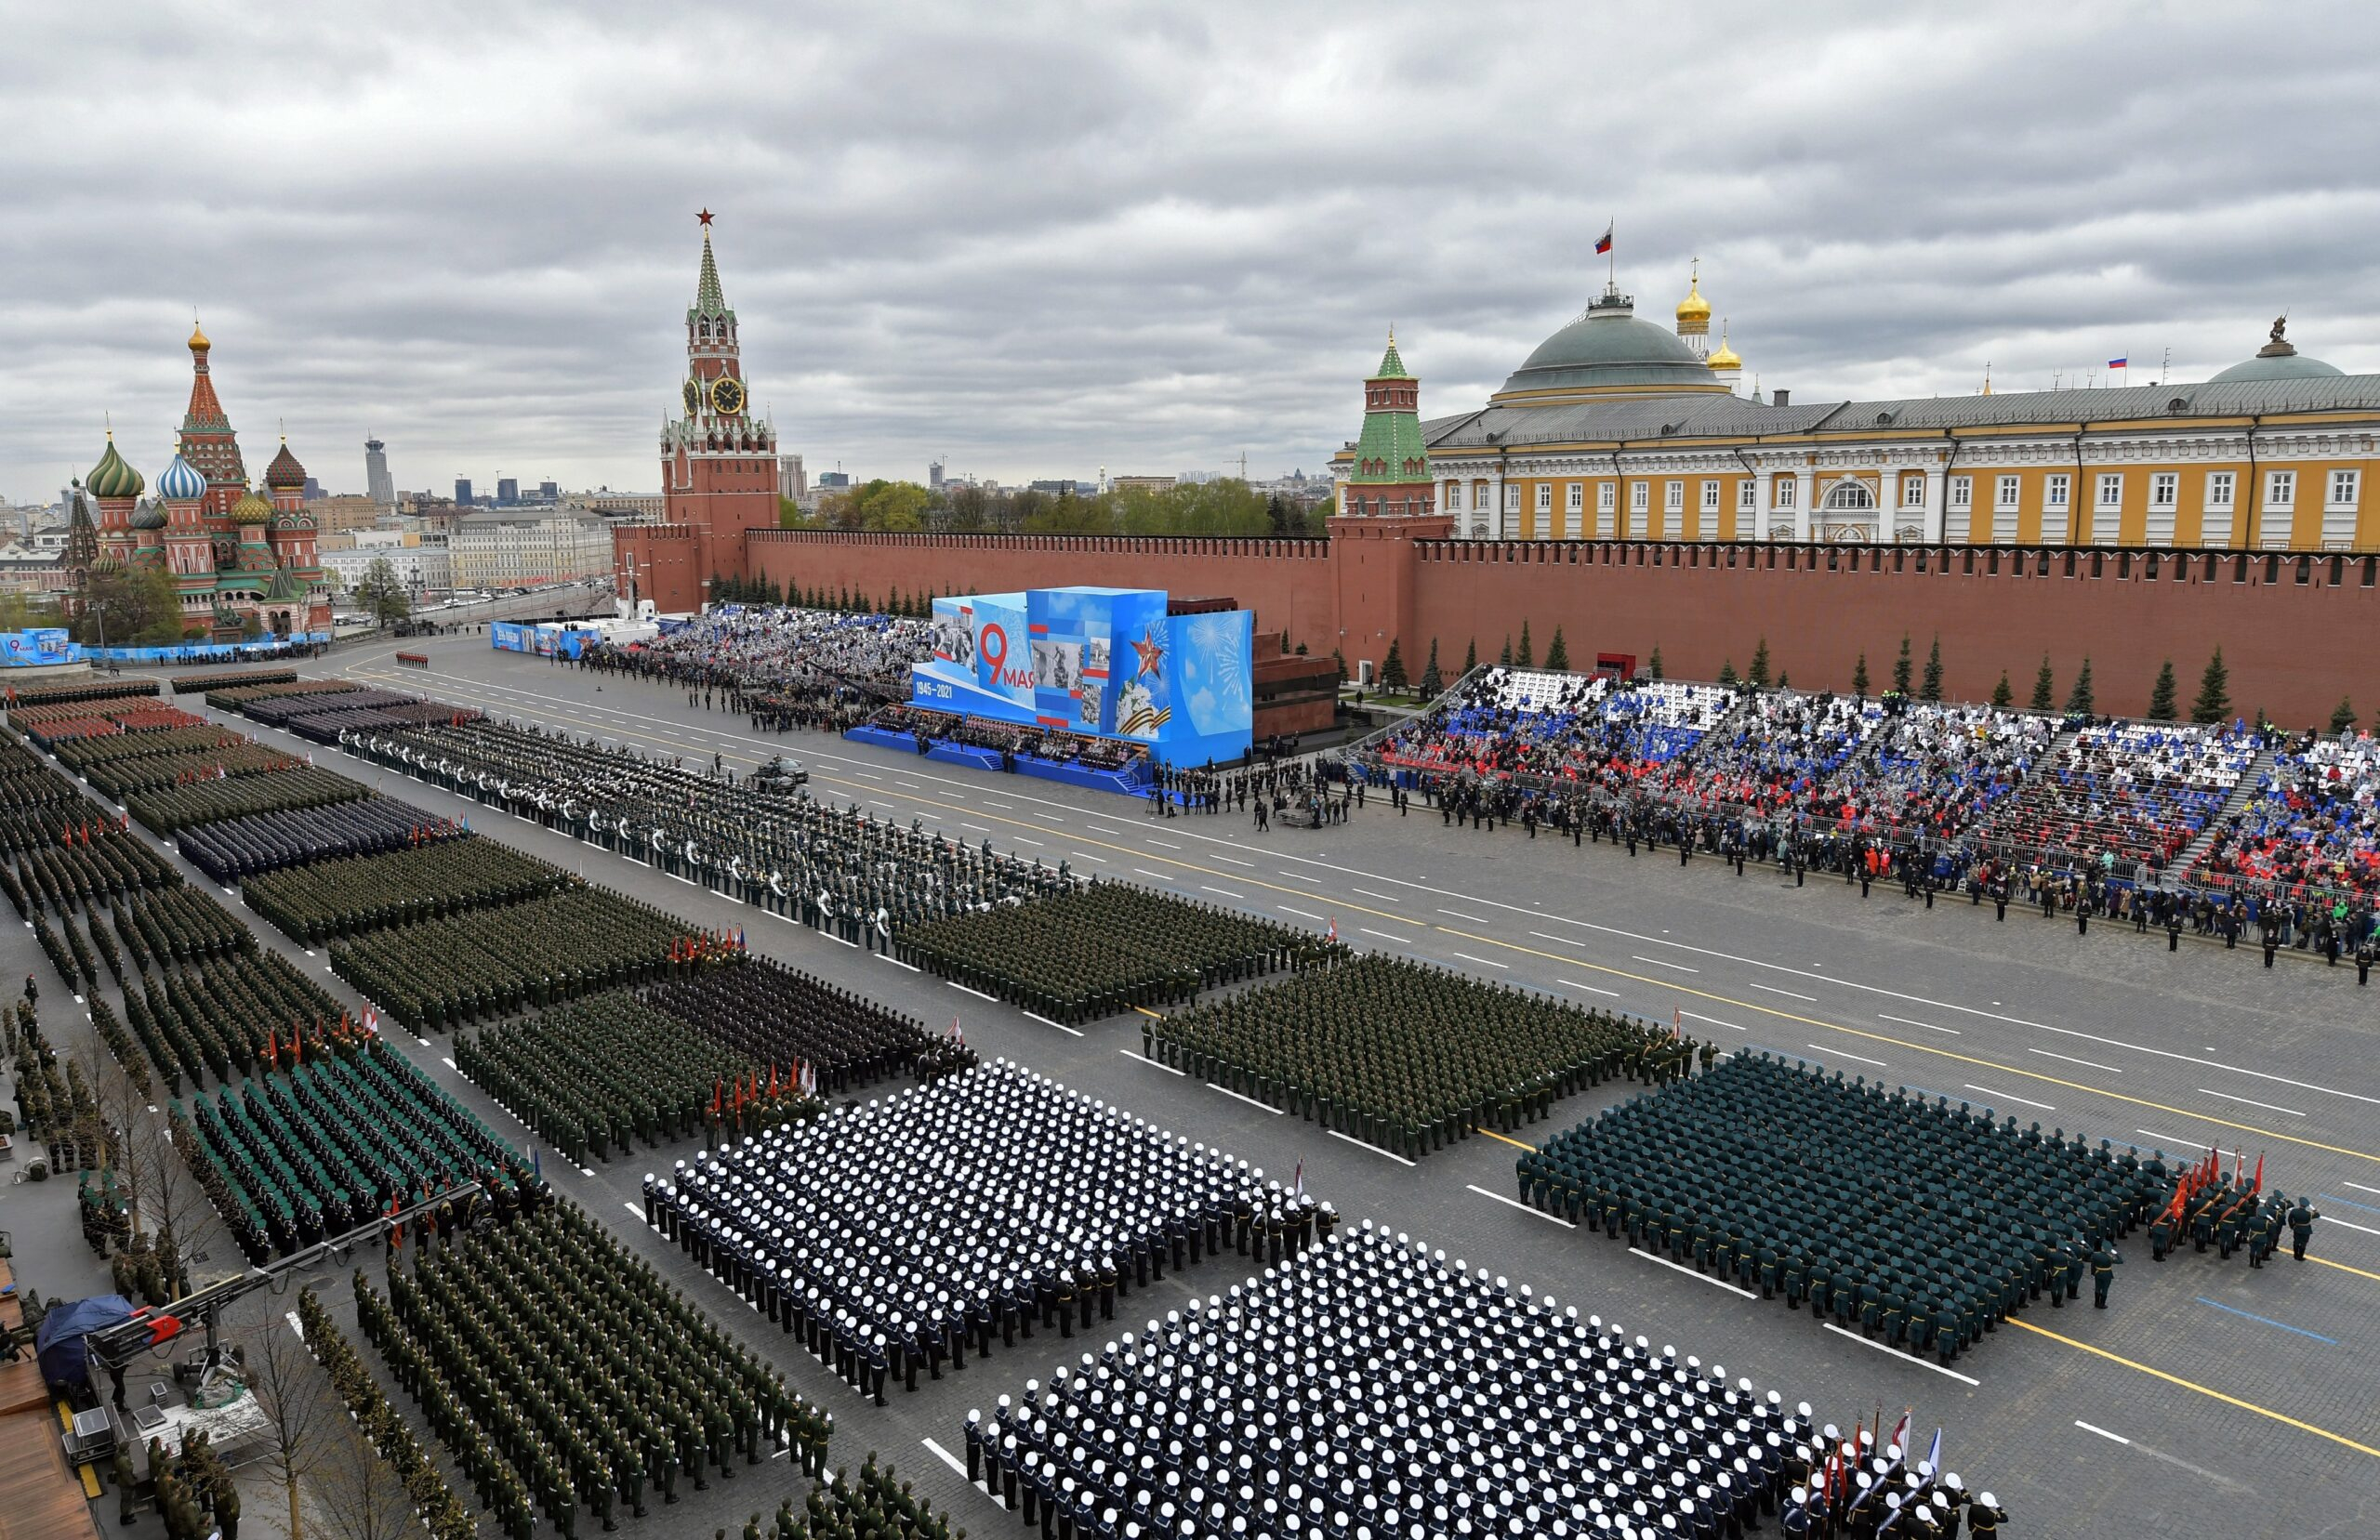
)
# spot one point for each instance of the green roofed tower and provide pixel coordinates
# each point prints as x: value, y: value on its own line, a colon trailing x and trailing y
x: 1388, y: 467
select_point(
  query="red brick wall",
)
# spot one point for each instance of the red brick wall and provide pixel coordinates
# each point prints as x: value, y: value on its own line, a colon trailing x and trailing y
x: 2292, y: 648
x: 1288, y: 582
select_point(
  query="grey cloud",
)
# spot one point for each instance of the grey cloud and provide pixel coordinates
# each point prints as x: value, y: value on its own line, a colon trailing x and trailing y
x: 1041, y: 238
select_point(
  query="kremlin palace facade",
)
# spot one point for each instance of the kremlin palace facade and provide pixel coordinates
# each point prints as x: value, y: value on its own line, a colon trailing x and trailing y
x: 1616, y: 430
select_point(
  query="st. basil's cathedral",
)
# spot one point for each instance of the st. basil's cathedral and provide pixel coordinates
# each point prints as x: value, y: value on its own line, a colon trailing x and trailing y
x: 236, y: 551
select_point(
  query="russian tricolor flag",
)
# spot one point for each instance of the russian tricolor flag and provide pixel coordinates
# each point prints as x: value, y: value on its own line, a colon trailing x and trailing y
x: 1604, y: 244
x: 2119, y: 363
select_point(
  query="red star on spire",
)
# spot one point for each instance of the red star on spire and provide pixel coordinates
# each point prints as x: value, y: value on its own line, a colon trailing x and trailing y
x: 704, y: 218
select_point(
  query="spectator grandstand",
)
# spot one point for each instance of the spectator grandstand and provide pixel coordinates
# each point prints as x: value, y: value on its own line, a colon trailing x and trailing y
x: 2314, y: 819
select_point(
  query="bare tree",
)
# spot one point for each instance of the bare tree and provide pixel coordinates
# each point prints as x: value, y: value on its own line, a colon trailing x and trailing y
x: 357, y: 1494
x: 303, y: 1415
x: 155, y: 1177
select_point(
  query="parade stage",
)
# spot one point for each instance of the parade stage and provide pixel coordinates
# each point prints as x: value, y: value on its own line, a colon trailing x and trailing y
x: 1100, y: 662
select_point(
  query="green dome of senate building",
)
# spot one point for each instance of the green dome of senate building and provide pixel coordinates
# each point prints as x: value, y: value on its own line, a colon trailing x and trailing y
x: 2278, y: 360
x: 1609, y: 349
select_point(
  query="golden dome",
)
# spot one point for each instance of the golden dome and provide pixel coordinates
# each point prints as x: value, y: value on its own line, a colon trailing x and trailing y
x: 1694, y: 307
x: 198, y: 343
x: 251, y: 510
x: 1723, y: 357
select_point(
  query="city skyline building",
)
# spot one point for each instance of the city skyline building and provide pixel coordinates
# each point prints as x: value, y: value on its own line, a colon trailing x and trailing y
x: 378, y: 484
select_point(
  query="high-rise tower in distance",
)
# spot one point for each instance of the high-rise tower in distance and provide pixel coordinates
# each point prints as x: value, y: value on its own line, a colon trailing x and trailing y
x: 377, y: 481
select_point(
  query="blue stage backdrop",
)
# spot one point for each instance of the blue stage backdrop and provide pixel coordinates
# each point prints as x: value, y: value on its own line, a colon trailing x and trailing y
x: 1107, y: 663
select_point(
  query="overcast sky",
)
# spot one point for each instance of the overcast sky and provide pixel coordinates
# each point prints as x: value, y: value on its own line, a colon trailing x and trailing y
x: 1043, y: 238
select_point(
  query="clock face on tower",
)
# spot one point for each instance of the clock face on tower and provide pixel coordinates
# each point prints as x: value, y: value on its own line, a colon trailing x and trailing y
x: 727, y: 395
x: 694, y: 398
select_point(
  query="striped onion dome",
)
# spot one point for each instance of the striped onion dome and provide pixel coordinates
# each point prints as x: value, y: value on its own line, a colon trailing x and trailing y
x: 181, y: 482
x: 112, y: 477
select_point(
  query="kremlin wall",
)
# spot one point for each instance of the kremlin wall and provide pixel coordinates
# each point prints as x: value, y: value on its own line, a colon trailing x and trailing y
x: 1620, y: 488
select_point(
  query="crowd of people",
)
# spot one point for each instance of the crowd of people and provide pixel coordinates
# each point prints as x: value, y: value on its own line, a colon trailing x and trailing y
x: 1918, y: 1224
x: 2313, y: 821
x: 1406, y: 1055
x: 563, y: 1374
x: 899, y: 1235
x: 863, y: 878
x: 1369, y: 1387
x: 1010, y: 741
x: 780, y: 667
x: 1077, y: 957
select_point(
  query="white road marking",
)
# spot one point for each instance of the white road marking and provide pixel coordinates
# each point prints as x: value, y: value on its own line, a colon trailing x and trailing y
x: 1153, y: 1063
x: 976, y: 993
x: 2265, y: 1105
x: 1022, y: 841
x: 1003, y: 806
x: 1515, y: 1203
x: 2174, y: 1138
x: 1298, y: 912
x: 1224, y: 891
x: 2003, y: 1096
x: 2360, y: 1188
x: 1677, y: 1266
x: 2366, y: 1230
x: 632, y: 1208
x: 1906, y: 1358
x: 888, y: 957
x: 1712, y: 1020
x: 449, y: 1063
x: 1047, y: 1022
x: 1591, y: 989
x: 1658, y: 962
x: 2088, y: 1428
x: 2084, y: 1062
x: 1461, y: 916
x: 1167, y: 843
x: 1161, y: 876
x: 1233, y: 859
x: 1369, y: 894
x: 1788, y: 993
x: 1401, y: 941
x: 1373, y: 1147
x: 1293, y: 876
x: 1929, y: 1026
x: 1086, y: 855
x: 867, y: 775
x: 977, y: 827
x: 946, y: 1457
x: 1481, y: 961
x: 1276, y: 1111
x: 1838, y: 1053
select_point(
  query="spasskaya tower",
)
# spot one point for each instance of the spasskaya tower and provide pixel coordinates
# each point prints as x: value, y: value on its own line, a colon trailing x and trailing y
x: 719, y: 464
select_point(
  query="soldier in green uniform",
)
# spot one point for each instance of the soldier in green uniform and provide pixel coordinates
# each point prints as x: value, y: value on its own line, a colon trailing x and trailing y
x: 2104, y: 1263
x: 2301, y: 1227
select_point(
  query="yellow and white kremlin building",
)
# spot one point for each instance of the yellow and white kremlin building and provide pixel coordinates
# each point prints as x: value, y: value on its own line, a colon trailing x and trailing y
x: 1614, y: 428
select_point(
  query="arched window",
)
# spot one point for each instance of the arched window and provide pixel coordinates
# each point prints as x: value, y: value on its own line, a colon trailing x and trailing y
x: 1849, y: 493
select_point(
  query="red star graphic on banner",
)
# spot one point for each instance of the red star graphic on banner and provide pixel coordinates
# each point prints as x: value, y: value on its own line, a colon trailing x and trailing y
x: 1151, y: 655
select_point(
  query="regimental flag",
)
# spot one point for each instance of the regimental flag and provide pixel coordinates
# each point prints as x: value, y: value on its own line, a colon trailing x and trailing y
x: 1603, y: 242
x: 1900, y: 1433
x: 1297, y: 1186
x: 1934, y: 1452
x: 2119, y: 363
x: 1332, y: 934
x: 958, y: 1035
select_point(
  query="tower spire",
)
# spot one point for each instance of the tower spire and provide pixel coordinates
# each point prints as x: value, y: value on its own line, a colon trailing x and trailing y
x: 710, y: 302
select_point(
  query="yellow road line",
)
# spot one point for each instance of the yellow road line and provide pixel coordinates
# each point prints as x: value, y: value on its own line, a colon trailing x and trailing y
x: 1500, y: 1138
x: 2344, y: 1268
x: 550, y: 711
x: 1917, y: 1047
x: 2202, y: 1389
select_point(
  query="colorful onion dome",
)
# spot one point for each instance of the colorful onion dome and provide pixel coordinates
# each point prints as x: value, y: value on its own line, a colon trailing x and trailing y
x: 285, y: 473
x: 181, y: 482
x: 112, y: 477
x: 150, y: 515
x: 251, y: 509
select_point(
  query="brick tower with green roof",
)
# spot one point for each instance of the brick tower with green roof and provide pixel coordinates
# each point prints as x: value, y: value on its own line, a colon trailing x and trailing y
x: 1388, y: 468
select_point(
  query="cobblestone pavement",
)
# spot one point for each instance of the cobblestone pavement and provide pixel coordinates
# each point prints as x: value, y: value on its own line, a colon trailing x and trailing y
x: 2208, y: 1399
